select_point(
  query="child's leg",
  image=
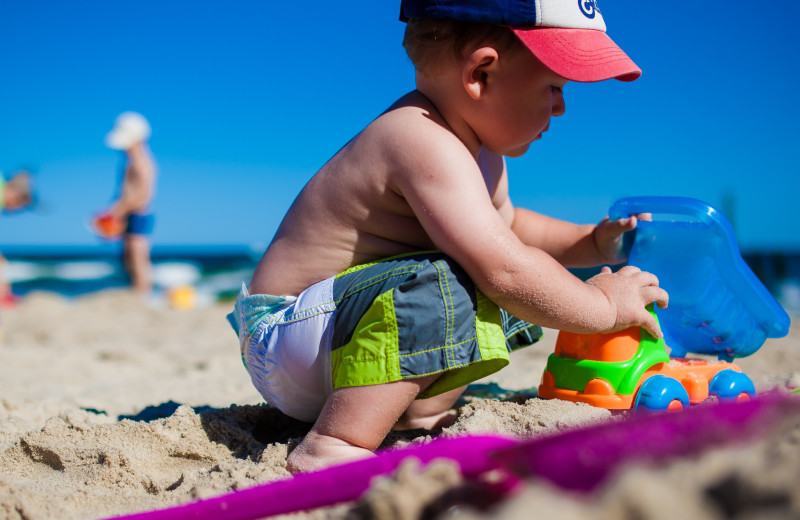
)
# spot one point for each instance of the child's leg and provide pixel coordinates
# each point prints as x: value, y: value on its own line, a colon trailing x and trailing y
x: 432, y: 413
x: 353, y: 423
x: 137, y: 257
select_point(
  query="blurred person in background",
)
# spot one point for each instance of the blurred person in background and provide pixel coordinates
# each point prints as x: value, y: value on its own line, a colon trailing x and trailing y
x: 130, y: 216
x: 16, y: 194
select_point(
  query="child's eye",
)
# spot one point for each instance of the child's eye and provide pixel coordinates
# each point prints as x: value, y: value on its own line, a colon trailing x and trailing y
x: 555, y: 89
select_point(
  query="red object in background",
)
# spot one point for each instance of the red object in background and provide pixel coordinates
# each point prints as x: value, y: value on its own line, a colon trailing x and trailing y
x: 8, y: 300
x: 108, y: 226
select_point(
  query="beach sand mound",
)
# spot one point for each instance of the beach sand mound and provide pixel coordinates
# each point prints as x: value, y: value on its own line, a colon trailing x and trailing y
x: 110, y: 407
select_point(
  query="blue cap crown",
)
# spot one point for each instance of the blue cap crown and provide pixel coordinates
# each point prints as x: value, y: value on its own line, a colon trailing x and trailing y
x: 571, y: 14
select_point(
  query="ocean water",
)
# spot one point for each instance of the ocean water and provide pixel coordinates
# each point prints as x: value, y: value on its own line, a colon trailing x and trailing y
x: 217, y: 272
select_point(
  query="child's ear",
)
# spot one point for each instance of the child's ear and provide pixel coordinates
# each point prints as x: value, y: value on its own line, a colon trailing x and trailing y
x: 476, y: 70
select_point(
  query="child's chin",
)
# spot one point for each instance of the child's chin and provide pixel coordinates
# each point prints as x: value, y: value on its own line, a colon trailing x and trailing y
x: 518, y: 152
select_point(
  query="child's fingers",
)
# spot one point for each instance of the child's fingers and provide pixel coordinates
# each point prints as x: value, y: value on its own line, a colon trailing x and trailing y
x: 629, y: 270
x: 628, y: 223
x: 643, y: 278
x: 651, y: 325
x: 656, y: 294
x: 647, y: 279
x: 619, y: 226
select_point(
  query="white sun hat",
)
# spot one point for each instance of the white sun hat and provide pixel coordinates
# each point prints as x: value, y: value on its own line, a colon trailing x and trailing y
x: 129, y: 129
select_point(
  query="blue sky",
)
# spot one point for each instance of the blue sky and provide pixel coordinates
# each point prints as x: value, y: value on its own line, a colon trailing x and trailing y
x: 248, y: 99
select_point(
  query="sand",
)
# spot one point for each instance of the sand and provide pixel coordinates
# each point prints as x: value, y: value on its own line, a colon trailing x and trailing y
x: 109, y: 407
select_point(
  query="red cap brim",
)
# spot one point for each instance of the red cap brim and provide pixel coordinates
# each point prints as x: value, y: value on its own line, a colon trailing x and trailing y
x: 579, y: 54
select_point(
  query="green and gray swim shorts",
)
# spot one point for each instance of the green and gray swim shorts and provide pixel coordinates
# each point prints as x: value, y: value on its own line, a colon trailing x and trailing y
x: 400, y: 318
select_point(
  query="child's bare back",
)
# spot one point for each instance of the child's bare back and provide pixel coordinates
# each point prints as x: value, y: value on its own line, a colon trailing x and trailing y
x: 354, y: 211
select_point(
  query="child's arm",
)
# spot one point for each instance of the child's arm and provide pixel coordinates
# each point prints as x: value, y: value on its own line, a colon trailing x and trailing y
x: 446, y: 190
x: 573, y: 245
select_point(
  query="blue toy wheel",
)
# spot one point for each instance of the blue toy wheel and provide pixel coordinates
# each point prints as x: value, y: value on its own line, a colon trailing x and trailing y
x: 658, y: 392
x: 729, y: 384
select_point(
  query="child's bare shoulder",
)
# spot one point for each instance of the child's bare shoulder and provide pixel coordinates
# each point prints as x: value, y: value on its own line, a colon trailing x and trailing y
x: 412, y: 131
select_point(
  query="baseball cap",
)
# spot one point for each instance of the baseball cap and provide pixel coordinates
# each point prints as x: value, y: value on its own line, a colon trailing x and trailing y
x: 129, y: 128
x: 567, y: 36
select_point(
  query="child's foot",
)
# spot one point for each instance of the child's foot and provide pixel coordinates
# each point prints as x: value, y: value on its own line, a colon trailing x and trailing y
x: 320, y: 451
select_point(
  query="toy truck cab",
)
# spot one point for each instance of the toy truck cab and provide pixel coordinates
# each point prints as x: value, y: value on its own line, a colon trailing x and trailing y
x: 631, y: 369
x: 717, y: 307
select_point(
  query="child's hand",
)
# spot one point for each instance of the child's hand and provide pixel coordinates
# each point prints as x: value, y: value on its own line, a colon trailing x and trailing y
x: 629, y: 291
x: 608, y: 237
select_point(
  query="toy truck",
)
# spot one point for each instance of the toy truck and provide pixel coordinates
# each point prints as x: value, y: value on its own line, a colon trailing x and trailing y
x: 717, y: 307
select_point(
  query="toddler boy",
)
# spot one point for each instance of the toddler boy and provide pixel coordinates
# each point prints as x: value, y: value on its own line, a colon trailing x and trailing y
x: 131, y: 211
x: 380, y: 296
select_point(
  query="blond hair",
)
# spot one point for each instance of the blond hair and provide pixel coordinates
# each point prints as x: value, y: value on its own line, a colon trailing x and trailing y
x: 429, y: 41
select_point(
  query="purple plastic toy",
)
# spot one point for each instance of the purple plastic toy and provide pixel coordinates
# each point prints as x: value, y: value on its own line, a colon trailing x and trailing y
x: 577, y: 460
x: 580, y: 460
x: 336, y: 484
